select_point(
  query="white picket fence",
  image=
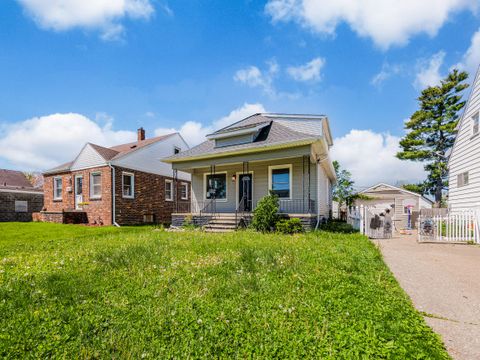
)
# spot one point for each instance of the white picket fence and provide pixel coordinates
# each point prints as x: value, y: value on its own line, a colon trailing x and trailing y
x: 457, y: 227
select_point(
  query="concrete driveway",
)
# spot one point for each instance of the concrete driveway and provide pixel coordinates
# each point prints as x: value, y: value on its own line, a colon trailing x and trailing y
x: 443, y: 281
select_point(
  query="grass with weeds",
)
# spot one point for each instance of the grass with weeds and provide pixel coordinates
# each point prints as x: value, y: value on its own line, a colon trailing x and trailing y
x: 78, y: 292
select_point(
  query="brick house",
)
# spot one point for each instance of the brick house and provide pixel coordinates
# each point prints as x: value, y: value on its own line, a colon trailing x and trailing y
x: 18, y: 197
x: 123, y: 185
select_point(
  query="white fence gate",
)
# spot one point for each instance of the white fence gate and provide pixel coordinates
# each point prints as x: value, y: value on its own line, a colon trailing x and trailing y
x: 371, y: 222
x: 460, y: 227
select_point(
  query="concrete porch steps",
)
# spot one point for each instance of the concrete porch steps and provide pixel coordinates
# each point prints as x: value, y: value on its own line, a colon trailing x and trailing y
x: 222, y: 223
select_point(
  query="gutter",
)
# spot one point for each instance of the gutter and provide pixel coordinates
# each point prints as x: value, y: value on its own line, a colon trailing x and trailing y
x: 249, y: 150
x: 113, y: 194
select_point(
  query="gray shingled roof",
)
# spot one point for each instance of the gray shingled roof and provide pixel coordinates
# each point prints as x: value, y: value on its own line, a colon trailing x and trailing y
x: 281, y: 131
x: 113, y: 152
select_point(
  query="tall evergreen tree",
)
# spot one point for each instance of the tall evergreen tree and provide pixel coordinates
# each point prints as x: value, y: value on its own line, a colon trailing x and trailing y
x: 432, y: 130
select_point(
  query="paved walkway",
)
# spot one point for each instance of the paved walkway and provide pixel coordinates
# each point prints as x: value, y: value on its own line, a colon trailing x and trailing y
x: 443, y: 280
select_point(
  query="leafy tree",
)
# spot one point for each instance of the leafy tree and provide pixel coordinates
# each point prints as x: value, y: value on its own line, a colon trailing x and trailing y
x: 343, y: 189
x: 416, y: 188
x: 432, y: 130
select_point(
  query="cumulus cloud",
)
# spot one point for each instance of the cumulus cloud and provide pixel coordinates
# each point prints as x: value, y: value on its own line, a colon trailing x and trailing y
x: 471, y: 58
x: 387, y: 71
x: 42, y: 142
x: 429, y: 71
x: 252, y: 76
x: 311, y: 71
x: 370, y: 157
x: 194, y: 132
x: 386, y: 22
x: 103, y: 15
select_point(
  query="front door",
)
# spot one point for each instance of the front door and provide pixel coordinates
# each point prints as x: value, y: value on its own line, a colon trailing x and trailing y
x: 78, y: 191
x: 245, y: 182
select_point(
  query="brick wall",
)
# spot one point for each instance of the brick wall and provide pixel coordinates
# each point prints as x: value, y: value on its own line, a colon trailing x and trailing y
x: 98, y: 210
x: 149, y: 198
x: 7, y: 205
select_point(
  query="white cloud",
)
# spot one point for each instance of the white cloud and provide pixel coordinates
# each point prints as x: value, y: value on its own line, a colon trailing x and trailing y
x: 370, y: 157
x: 310, y: 71
x: 387, y: 71
x: 46, y: 141
x: 429, y: 71
x: 386, y: 22
x: 471, y: 59
x: 252, y: 76
x: 194, y: 132
x: 103, y: 15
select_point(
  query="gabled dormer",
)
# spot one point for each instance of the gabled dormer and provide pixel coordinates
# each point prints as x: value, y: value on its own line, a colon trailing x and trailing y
x: 239, y: 135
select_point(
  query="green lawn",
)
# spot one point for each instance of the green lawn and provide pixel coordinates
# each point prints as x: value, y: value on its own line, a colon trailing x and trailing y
x: 79, y: 292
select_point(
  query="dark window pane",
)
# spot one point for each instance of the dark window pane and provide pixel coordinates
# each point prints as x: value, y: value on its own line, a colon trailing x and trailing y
x: 216, y: 186
x: 281, y: 182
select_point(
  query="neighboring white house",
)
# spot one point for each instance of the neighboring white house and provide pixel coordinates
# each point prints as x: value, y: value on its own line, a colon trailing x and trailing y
x: 464, y: 161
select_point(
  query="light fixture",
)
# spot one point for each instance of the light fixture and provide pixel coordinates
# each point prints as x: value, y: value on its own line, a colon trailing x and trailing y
x: 234, y: 177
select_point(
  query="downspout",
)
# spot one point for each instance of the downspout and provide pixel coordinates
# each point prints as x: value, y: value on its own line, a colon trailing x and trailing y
x: 318, y: 190
x: 113, y: 195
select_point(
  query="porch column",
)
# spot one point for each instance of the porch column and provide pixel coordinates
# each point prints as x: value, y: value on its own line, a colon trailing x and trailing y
x: 174, y: 189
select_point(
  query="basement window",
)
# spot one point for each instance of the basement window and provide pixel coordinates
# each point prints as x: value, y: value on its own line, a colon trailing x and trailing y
x: 128, y: 184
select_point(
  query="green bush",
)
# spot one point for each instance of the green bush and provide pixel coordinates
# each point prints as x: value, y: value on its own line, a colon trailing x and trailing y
x: 337, y: 226
x: 289, y: 226
x: 265, y: 215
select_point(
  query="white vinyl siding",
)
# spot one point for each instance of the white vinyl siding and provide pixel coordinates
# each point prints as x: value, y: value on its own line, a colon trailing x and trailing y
x: 57, y: 188
x: 475, y: 124
x: 169, y: 190
x: 95, y: 185
x: 128, y: 185
x: 88, y: 158
x: 465, y: 157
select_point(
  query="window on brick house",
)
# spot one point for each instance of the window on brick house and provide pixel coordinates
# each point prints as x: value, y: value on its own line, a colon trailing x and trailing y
x: 57, y: 188
x: 128, y: 184
x: 169, y: 190
x: 184, y: 191
x: 95, y: 185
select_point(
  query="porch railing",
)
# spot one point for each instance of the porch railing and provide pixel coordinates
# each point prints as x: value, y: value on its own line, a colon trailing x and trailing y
x: 290, y: 206
x: 297, y: 206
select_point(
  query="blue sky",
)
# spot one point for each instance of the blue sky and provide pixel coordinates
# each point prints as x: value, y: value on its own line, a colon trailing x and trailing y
x: 97, y: 70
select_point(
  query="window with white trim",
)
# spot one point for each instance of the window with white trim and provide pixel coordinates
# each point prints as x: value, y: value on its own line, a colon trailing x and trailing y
x: 57, y: 188
x: 184, y: 191
x: 475, y: 123
x: 216, y: 186
x: 462, y: 179
x: 176, y: 150
x: 168, y: 190
x: 128, y: 185
x: 95, y: 185
x: 280, y: 180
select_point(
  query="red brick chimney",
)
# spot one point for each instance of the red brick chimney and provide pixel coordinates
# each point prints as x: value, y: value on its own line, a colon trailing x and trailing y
x: 141, y: 134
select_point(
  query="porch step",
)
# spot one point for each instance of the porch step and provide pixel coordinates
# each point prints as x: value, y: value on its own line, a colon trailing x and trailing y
x: 222, y: 223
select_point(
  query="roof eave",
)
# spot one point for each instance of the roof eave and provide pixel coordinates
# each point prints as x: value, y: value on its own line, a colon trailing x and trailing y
x: 243, y: 151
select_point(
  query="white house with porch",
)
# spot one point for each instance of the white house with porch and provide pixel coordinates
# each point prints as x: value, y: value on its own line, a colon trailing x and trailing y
x: 236, y: 166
